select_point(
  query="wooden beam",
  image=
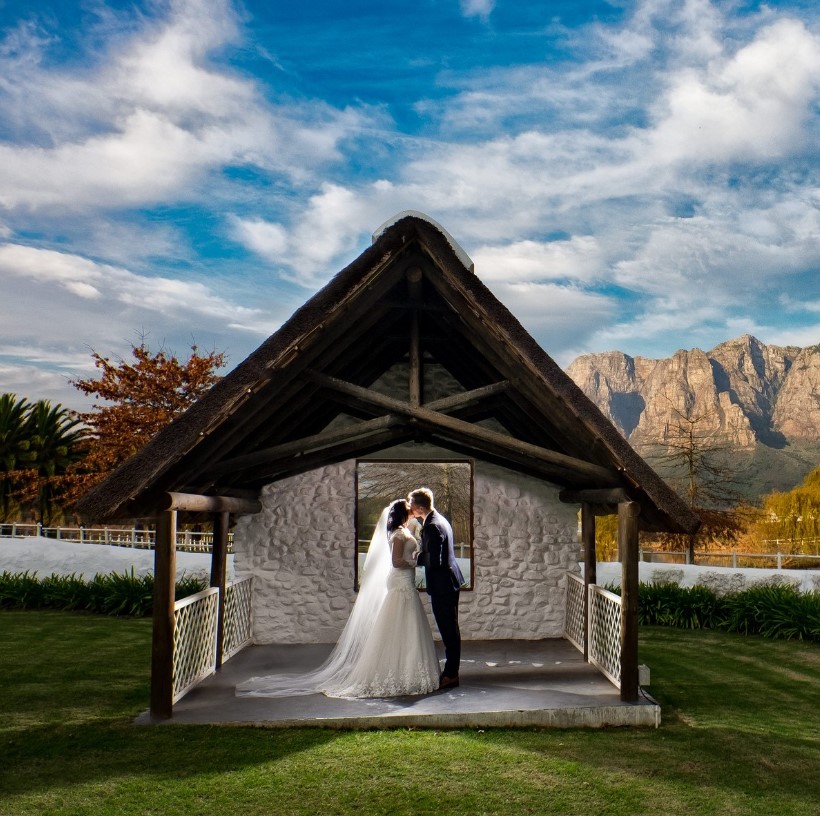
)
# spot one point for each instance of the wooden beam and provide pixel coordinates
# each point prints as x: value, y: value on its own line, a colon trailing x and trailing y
x: 442, y: 423
x: 628, y: 547
x: 219, y: 558
x: 468, y: 398
x: 302, y: 446
x: 614, y: 496
x: 301, y: 463
x: 590, y: 565
x: 414, y: 276
x: 209, y: 504
x: 162, y: 640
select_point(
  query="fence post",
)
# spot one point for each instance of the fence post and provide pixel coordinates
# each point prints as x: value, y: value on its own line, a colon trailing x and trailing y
x: 734, y: 560
x: 628, y: 544
x: 779, y: 560
x: 162, y: 642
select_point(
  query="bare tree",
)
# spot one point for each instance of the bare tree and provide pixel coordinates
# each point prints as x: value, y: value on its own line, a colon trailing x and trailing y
x: 693, y: 459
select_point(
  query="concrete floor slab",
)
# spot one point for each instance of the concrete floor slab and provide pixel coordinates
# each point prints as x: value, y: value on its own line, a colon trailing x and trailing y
x: 504, y: 683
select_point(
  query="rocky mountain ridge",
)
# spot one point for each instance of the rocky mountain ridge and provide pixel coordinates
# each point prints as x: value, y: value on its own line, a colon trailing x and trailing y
x: 744, y: 393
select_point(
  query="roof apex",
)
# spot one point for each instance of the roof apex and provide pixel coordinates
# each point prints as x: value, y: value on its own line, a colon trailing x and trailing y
x: 420, y: 216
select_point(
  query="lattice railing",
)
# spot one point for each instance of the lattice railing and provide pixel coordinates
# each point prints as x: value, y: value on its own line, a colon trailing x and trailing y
x: 575, y: 612
x: 194, y: 640
x: 238, y: 625
x: 605, y: 632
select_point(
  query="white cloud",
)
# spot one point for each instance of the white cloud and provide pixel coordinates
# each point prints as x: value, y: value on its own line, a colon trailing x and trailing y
x: 152, y: 118
x: 578, y: 258
x: 751, y: 105
x: 87, y: 280
x: 477, y: 8
x: 266, y: 239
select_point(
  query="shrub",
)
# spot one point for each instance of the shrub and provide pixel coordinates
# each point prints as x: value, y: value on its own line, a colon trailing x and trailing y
x: 771, y: 611
x: 124, y: 594
x: 775, y: 612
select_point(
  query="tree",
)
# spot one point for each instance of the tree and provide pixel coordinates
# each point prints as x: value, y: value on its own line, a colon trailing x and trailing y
x: 57, y: 440
x: 692, y: 460
x: 15, y: 452
x: 794, y: 515
x: 137, y: 399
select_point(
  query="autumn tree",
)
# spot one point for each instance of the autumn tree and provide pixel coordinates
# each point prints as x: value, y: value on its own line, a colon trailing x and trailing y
x: 136, y: 399
x: 793, y: 516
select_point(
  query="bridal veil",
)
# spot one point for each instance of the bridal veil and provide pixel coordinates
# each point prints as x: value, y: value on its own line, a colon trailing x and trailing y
x: 333, y: 675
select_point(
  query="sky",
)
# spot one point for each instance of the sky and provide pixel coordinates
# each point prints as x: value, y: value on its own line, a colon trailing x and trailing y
x: 641, y: 176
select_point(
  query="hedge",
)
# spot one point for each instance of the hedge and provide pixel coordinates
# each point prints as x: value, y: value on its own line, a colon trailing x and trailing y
x: 114, y: 594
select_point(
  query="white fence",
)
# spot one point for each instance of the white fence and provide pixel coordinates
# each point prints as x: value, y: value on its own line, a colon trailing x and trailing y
x: 604, y: 647
x: 187, y: 540
x: 195, y: 633
x: 724, y: 558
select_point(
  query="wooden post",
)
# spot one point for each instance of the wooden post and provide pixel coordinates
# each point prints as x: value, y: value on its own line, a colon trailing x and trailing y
x: 628, y: 548
x: 162, y: 643
x: 219, y: 556
x: 590, y: 564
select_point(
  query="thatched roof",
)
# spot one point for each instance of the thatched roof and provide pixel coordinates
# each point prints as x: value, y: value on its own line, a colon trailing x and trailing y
x: 303, y: 399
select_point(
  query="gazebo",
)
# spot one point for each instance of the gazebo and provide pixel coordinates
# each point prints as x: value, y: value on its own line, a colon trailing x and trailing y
x: 404, y: 355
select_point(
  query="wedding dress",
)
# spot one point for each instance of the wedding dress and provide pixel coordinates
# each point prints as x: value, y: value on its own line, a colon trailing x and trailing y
x: 386, y: 647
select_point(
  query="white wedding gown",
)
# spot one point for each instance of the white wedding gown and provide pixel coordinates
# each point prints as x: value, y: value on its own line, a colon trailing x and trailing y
x: 386, y: 647
x: 398, y: 657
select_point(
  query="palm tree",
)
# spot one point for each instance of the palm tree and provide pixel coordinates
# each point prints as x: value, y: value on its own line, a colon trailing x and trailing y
x: 57, y: 439
x: 15, y: 448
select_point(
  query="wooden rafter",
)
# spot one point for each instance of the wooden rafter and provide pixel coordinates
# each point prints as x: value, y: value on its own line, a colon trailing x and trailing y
x: 305, y: 445
x: 444, y: 425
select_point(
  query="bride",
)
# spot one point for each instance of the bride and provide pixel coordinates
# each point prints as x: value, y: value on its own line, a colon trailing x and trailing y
x: 386, y: 647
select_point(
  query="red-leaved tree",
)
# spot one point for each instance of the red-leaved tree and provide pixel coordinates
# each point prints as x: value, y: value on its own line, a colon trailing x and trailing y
x: 136, y: 399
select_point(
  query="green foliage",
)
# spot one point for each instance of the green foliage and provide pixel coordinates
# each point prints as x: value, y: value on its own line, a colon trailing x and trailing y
x: 775, y: 612
x: 123, y: 594
x: 771, y: 611
x: 38, y: 445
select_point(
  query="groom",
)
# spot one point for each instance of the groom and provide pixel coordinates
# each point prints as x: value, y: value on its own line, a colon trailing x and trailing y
x: 443, y: 578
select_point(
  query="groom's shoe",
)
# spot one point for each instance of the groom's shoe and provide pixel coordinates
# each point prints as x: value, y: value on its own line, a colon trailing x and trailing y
x: 447, y: 682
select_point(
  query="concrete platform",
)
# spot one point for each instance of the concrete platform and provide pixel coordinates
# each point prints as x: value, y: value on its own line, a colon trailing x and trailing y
x: 504, y: 683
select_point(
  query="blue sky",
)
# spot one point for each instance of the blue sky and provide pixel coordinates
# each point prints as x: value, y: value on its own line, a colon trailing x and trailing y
x: 640, y: 176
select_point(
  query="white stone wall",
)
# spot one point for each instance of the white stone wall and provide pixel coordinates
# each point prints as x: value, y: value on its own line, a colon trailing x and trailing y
x: 300, y: 550
x: 721, y: 580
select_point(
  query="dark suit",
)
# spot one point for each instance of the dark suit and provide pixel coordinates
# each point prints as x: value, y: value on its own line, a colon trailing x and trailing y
x: 443, y: 578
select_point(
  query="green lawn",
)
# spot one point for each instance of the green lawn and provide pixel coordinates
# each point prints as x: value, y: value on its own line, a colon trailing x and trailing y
x: 740, y: 735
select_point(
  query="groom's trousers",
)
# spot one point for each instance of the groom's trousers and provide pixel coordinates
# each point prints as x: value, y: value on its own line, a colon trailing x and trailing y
x: 445, y: 611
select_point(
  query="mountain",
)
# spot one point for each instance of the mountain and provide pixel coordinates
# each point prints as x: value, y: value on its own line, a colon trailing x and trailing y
x: 760, y: 402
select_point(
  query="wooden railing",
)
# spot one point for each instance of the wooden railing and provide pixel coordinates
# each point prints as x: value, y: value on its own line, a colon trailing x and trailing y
x: 238, y: 628
x: 195, y: 619
x: 195, y: 633
x: 605, y: 632
x: 604, y: 647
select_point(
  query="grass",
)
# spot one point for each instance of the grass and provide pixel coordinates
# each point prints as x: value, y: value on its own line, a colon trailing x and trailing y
x: 740, y: 735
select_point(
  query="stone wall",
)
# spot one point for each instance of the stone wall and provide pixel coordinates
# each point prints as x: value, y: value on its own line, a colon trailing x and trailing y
x: 300, y: 551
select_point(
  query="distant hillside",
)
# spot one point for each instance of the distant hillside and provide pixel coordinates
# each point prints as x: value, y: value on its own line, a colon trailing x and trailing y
x: 762, y: 401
